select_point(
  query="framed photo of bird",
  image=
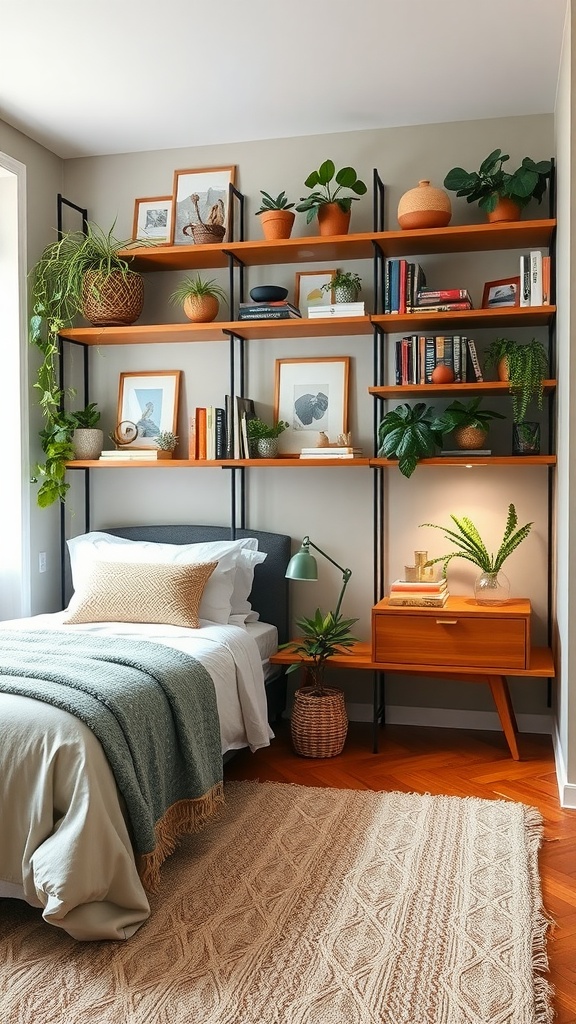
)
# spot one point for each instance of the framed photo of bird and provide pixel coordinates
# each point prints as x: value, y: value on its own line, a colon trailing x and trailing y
x: 202, y: 205
x: 148, y: 399
x: 311, y: 395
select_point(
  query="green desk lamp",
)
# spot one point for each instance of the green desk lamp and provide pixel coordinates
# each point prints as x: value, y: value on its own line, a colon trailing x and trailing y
x: 303, y: 566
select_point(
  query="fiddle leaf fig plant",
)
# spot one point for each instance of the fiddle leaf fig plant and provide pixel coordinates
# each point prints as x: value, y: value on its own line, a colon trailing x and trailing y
x: 409, y: 433
x: 491, y: 182
x: 327, y: 184
x: 471, y: 546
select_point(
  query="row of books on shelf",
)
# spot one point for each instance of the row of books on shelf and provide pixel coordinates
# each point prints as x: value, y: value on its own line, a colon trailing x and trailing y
x: 405, y: 291
x: 420, y: 594
x: 534, y: 279
x: 217, y: 432
x: 416, y: 356
x: 268, y: 311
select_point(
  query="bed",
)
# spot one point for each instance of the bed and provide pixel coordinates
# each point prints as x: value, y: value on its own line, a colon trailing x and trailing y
x: 87, y: 816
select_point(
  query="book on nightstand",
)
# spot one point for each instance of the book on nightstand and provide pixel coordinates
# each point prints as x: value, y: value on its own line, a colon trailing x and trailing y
x: 419, y: 587
x: 422, y: 600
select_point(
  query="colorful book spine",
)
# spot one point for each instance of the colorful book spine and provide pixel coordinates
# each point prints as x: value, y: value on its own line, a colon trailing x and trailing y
x: 525, y: 280
x: 428, y: 297
x: 546, y: 281
x: 475, y: 362
x: 441, y: 307
x: 536, y: 278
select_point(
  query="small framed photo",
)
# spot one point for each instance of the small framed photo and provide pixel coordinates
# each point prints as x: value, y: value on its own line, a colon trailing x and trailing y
x: 149, y: 400
x: 308, y: 289
x: 153, y: 219
x: 311, y: 395
x: 201, y: 201
x: 501, y: 293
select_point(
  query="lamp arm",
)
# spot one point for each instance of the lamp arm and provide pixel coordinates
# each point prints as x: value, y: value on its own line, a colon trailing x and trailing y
x: 346, y: 573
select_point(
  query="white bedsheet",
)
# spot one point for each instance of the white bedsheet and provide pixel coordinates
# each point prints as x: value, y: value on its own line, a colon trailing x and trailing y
x: 64, y: 845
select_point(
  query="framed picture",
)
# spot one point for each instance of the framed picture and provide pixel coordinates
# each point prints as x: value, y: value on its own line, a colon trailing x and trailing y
x: 501, y: 293
x: 201, y: 199
x: 153, y: 219
x: 149, y: 399
x: 311, y: 395
x: 308, y: 289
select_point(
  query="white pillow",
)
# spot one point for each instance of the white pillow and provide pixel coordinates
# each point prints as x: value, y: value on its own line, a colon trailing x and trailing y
x: 242, y: 610
x: 216, y: 603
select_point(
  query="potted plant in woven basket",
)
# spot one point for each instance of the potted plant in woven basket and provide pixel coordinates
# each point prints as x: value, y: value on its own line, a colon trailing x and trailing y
x: 319, y: 723
x: 468, y: 423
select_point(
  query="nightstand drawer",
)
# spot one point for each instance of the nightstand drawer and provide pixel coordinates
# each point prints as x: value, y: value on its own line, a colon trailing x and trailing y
x: 473, y: 637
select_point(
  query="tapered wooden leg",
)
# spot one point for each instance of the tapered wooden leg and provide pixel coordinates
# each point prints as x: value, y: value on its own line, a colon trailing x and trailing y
x: 501, y: 695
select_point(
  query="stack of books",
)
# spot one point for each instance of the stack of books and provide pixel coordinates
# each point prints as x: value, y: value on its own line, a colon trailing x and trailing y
x: 144, y: 454
x: 446, y: 300
x: 337, y: 309
x: 534, y: 279
x: 419, y: 594
x: 268, y: 311
x: 331, y: 452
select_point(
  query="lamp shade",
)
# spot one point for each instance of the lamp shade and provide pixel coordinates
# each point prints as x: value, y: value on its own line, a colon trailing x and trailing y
x: 302, y: 566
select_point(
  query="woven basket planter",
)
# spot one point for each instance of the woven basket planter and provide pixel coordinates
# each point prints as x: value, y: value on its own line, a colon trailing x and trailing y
x: 206, y: 234
x: 319, y: 723
x: 112, y: 300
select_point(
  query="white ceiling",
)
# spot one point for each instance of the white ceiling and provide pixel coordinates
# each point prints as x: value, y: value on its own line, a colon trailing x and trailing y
x: 115, y: 76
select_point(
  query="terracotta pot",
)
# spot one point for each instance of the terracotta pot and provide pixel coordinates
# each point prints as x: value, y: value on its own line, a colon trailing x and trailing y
x: 332, y: 220
x: 112, y: 300
x: 505, y: 210
x: 424, y: 207
x: 277, y: 223
x: 503, y: 369
x: 470, y: 437
x: 201, y: 309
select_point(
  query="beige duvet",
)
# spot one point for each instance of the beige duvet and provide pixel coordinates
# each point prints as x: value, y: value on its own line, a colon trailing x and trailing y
x: 64, y: 845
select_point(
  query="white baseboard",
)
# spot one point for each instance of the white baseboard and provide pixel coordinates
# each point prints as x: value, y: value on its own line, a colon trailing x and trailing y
x: 448, y: 718
x: 566, y: 790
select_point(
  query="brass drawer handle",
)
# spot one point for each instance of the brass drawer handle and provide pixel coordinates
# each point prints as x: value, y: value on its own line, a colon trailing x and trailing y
x: 446, y: 622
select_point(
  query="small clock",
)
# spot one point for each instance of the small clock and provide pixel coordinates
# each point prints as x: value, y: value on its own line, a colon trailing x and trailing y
x: 125, y: 433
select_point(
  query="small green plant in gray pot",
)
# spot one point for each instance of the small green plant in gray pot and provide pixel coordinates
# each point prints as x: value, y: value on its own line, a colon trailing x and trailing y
x: 345, y: 285
x: 263, y: 438
x: 87, y: 438
x: 409, y: 433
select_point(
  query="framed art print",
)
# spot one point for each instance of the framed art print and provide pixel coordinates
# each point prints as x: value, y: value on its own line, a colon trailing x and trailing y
x: 201, y: 201
x: 309, y: 291
x: 501, y: 293
x: 149, y: 400
x: 153, y: 220
x: 311, y: 395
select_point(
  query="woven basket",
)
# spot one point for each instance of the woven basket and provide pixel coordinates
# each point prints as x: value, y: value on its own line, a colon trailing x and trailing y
x: 207, y: 234
x: 112, y: 300
x: 319, y: 724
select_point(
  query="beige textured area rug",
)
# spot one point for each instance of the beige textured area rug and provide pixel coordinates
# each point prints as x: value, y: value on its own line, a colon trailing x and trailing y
x: 312, y: 906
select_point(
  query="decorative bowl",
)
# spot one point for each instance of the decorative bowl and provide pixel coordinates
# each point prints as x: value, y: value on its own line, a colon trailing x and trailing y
x: 268, y: 293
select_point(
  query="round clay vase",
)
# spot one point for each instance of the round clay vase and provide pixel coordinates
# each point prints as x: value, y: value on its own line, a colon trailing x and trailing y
x: 267, y: 447
x: 88, y: 443
x: 424, y: 207
x: 112, y: 300
x: 319, y: 723
x: 505, y: 210
x: 469, y: 438
x: 277, y: 223
x: 333, y: 220
x: 201, y: 309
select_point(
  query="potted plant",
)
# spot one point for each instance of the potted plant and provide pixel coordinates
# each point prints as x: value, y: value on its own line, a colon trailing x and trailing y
x: 409, y: 433
x: 326, y: 200
x: 467, y: 422
x: 319, y: 723
x: 166, y: 441
x: 264, y: 437
x: 276, y: 216
x: 491, y: 587
x: 345, y: 285
x: 87, y: 438
x: 199, y: 299
x: 500, y: 194
x: 525, y: 366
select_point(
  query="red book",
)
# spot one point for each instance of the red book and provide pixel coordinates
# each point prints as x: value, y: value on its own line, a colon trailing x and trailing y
x: 425, y: 298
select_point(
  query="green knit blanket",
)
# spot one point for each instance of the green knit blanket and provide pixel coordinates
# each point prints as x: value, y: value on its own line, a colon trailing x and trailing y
x: 152, y: 708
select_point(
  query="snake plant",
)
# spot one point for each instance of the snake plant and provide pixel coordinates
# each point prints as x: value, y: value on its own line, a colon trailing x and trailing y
x: 471, y: 546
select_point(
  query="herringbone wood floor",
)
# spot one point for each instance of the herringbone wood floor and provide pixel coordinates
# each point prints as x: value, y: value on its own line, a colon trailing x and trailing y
x: 456, y: 763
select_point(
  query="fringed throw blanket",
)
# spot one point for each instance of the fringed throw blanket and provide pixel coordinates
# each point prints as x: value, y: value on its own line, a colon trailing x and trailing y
x: 154, y: 711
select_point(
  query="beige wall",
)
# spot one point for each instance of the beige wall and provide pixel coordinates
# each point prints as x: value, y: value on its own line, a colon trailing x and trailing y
x: 333, y: 506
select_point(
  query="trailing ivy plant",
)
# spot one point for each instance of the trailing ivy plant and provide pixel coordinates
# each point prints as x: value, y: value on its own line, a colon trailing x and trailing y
x: 471, y: 546
x: 527, y: 369
x: 409, y: 433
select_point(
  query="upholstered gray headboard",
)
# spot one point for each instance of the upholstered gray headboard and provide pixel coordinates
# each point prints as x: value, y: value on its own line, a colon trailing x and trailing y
x: 269, y: 594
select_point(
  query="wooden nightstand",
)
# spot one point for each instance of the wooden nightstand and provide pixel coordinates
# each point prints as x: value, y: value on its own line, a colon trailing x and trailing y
x: 463, y: 640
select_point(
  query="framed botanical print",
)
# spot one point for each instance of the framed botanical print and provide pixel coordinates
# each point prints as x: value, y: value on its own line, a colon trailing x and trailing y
x: 311, y: 395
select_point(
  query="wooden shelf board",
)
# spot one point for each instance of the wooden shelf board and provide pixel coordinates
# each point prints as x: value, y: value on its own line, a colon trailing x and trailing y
x: 509, y: 316
x: 287, y: 462
x: 477, y: 460
x: 253, y: 330
x: 527, y: 234
x: 490, y: 387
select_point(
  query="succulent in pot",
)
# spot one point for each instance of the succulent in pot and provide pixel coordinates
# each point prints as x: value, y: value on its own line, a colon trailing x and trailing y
x: 166, y: 440
x: 327, y: 198
x: 345, y: 285
x: 276, y: 216
x: 467, y: 422
x: 491, y: 184
x: 199, y: 298
x: 525, y: 366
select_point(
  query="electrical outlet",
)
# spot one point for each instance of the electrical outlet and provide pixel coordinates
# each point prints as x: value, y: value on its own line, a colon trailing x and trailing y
x: 42, y: 562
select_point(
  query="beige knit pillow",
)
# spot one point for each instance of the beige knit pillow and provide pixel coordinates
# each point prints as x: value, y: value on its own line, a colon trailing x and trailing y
x: 141, y: 592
